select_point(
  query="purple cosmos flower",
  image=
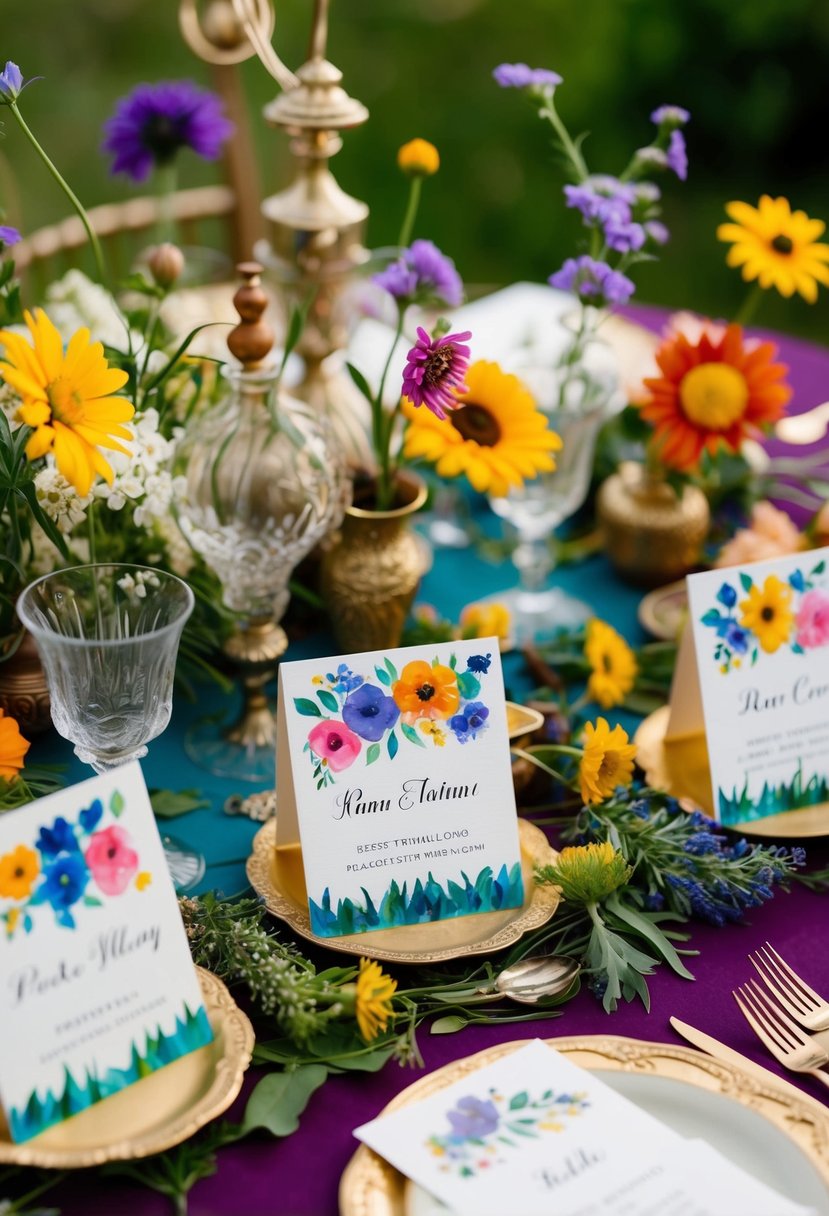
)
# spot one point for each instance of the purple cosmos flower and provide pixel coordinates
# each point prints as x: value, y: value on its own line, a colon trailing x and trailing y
x: 520, y: 76
x: 434, y: 371
x: 369, y: 712
x: 676, y: 116
x: 479, y: 663
x: 588, y: 278
x: 422, y: 273
x: 677, y: 155
x: 154, y: 121
x: 11, y: 83
x: 8, y: 236
x: 469, y: 723
x: 473, y: 1118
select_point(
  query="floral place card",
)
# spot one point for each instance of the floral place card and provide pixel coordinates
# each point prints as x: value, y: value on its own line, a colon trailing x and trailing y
x: 394, y: 769
x: 534, y: 1133
x: 755, y: 668
x: 99, y: 988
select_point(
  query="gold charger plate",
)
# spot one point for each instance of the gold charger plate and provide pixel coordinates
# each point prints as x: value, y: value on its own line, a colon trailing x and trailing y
x: 160, y: 1110
x: 371, y: 1187
x: 663, y: 612
x: 680, y: 766
x: 279, y: 880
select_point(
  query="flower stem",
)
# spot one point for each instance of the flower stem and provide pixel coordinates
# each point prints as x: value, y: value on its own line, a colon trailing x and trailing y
x: 748, y: 308
x: 517, y: 751
x: 68, y: 191
x: 382, y: 436
x: 412, y: 206
x: 549, y: 111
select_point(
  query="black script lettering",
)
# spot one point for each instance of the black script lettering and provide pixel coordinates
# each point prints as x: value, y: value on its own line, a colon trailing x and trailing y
x: 350, y: 803
x: 751, y: 701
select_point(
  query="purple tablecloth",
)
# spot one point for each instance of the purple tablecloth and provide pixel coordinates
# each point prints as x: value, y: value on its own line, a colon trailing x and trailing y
x: 300, y: 1176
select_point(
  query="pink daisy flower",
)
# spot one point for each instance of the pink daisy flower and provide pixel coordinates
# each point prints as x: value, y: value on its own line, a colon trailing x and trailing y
x: 434, y: 371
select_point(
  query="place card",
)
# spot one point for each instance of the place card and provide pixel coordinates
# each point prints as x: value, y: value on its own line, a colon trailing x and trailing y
x: 394, y: 770
x: 536, y: 1126
x: 98, y: 985
x: 753, y: 672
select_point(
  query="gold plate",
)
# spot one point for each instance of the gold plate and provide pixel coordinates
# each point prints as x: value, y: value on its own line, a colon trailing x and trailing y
x: 371, y: 1187
x: 158, y: 1111
x: 680, y: 766
x: 663, y: 612
x: 521, y: 720
x: 279, y: 880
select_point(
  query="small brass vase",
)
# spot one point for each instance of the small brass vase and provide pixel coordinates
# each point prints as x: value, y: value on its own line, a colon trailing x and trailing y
x: 371, y: 570
x: 24, y: 693
x: 652, y: 535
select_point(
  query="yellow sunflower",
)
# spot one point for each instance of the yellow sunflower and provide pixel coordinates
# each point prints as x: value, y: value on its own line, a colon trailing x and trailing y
x: 496, y: 437
x: 607, y: 761
x: 485, y: 621
x: 373, y: 1001
x: 67, y: 398
x: 777, y: 246
x: 590, y: 872
x: 613, y: 666
x: 18, y: 870
x: 768, y: 613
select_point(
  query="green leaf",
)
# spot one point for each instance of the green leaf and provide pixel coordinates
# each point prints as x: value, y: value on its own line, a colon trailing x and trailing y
x: 280, y: 1098
x: 448, y: 1025
x: 309, y: 709
x: 328, y: 699
x: 361, y: 382
x: 91, y: 901
x: 411, y: 734
x: 391, y: 669
x: 649, y: 931
x: 373, y: 753
x: 819, y: 568
x: 117, y: 803
x: 468, y: 685
x: 519, y: 1101
x: 167, y: 804
x: 383, y: 676
x: 392, y: 745
x: 171, y: 365
x: 746, y: 581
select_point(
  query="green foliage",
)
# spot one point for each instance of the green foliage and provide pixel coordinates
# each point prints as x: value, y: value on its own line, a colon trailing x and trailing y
x: 740, y: 806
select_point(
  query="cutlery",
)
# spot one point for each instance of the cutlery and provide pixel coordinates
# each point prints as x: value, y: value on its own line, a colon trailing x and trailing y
x: 787, y: 1042
x: 532, y: 981
x: 804, y: 1004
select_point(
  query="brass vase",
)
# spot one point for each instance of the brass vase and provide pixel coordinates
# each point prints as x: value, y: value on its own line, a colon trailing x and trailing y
x: 24, y: 693
x: 371, y: 570
x: 652, y: 534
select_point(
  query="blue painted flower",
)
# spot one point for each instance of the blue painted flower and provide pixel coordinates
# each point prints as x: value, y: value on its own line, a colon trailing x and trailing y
x: 369, y: 712
x: 345, y: 680
x: 90, y: 817
x: 797, y: 581
x: 727, y: 595
x: 469, y: 723
x: 733, y: 635
x: 59, y: 838
x: 472, y: 1118
x: 479, y: 663
x: 64, y: 883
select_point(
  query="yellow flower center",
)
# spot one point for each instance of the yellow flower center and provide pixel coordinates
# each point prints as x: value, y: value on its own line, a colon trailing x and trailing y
x: 64, y: 401
x: 714, y: 395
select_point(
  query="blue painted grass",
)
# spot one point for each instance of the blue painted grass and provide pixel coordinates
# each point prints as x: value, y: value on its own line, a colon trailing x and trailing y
x: 772, y: 799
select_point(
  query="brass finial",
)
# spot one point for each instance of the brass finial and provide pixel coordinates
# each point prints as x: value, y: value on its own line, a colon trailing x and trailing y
x: 251, y: 341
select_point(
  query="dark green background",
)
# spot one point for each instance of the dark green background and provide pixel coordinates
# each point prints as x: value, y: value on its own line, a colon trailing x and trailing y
x: 753, y: 73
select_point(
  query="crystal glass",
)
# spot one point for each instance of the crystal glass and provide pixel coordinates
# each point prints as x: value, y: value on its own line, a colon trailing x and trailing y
x: 108, y: 637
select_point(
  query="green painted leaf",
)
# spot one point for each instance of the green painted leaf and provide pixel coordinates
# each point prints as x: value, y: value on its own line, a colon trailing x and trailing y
x: 328, y: 699
x: 819, y: 568
x: 383, y: 676
x: 393, y: 744
x: 468, y: 685
x: 373, y: 753
x: 711, y: 617
x: 391, y: 669
x: 280, y: 1098
x: 117, y: 803
x: 519, y: 1101
x: 746, y: 582
x: 411, y: 734
x: 308, y: 709
x: 90, y: 901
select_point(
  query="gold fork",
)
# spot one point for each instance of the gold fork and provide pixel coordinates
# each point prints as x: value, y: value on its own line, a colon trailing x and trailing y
x: 786, y: 1041
x: 804, y: 1004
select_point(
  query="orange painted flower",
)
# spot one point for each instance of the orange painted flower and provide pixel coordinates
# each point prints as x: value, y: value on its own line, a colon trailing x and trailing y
x: 712, y: 392
x: 18, y: 870
x: 426, y: 690
x: 13, y: 747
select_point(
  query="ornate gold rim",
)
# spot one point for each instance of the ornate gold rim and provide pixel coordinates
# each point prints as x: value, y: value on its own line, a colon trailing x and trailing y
x: 371, y: 1187
x: 648, y: 610
x: 67, y: 1146
x: 539, y: 906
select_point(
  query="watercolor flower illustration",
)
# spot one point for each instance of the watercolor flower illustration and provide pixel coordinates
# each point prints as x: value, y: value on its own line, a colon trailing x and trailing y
x: 768, y: 614
x: 111, y: 859
x: 426, y: 690
x: 370, y: 712
x: 812, y: 620
x: 18, y: 871
x: 469, y: 723
x: 334, y: 744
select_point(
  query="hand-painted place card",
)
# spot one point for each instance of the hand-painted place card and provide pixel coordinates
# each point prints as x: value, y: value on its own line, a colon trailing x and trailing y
x: 98, y: 987
x: 754, y: 664
x: 394, y: 769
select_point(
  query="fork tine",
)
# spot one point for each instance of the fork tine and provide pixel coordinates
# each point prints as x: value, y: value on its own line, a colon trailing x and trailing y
x: 778, y: 984
x: 793, y: 976
x: 760, y: 1030
x: 787, y: 1028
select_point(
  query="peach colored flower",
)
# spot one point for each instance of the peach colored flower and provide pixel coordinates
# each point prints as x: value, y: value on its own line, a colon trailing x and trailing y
x: 771, y: 534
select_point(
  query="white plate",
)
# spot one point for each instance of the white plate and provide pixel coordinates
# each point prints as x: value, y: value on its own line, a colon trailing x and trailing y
x: 742, y: 1135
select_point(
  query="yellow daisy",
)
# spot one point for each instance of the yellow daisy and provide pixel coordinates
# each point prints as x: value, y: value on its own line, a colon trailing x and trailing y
x: 435, y: 733
x: 485, y: 621
x: 496, y: 437
x: 67, y: 398
x: 777, y: 246
x: 768, y: 613
x: 375, y: 991
x: 607, y: 761
x: 588, y: 873
x: 613, y: 666
x: 18, y: 870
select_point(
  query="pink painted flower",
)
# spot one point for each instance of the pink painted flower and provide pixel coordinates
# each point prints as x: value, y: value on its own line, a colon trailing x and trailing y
x: 434, y: 371
x: 334, y: 742
x: 812, y: 620
x: 112, y: 859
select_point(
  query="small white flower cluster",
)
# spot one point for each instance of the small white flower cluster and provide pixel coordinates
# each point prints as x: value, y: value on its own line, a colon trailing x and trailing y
x: 142, y: 477
x: 135, y: 586
x: 10, y: 403
x: 59, y: 499
x: 75, y: 301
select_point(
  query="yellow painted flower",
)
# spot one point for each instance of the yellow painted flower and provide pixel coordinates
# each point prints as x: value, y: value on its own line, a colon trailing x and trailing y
x: 13, y: 747
x: 607, y: 760
x: 143, y: 880
x: 426, y: 690
x: 589, y: 873
x: 485, y: 621
x: 373, y: 1008
x: 768, y: 613
x: 12, y: 918
x: 613, y: 666
x: 496, y: 437
x: 18, y: 870
x: 777, y: 246
x: 418, y: 158
x: 435, y: 733
x: 67, y: 398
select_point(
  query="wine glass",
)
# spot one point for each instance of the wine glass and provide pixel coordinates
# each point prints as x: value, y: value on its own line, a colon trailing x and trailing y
x: 108, y: 636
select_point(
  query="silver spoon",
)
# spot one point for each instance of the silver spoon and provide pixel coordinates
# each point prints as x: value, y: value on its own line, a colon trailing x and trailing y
x: 534, y: 980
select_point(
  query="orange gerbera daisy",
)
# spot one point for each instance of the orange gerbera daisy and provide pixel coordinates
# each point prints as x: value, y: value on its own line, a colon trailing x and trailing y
x: 426, y: 690
x: 714, y: 391
x: 13, y: 747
